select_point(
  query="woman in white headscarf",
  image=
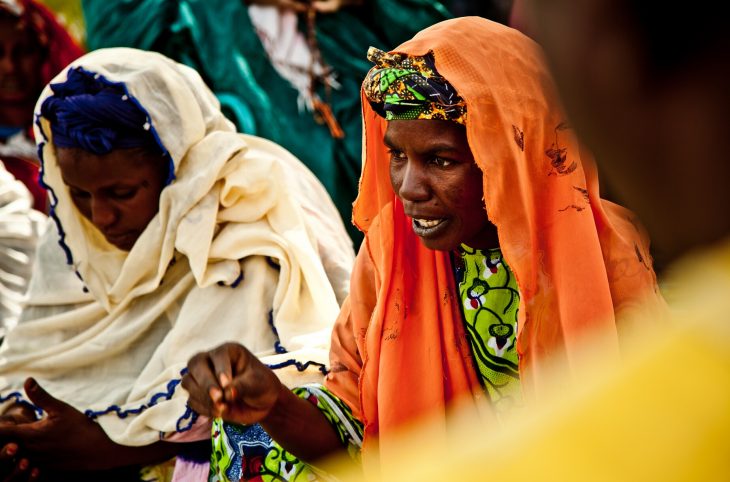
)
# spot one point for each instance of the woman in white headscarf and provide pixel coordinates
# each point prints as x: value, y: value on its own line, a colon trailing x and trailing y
x: 184, y: 234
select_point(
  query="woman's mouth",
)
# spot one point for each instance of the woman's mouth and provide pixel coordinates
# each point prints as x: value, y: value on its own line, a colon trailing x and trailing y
x: 429, y: 228
x: 123, y: 241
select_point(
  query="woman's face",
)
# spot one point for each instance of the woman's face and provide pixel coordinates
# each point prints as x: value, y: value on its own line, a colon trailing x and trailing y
x: 118, y: 192
x: 433, y: 172
x: 21, y: 57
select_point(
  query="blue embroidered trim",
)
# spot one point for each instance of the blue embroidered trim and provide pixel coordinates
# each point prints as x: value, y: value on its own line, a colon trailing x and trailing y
x: 54, y: 199
x: 190, y: 416
x: 156, y: 398
x: 238, y: 280
x: 171, y: 385
x: 278, y: 348
x: 235, y: 283
x: 19, y: 398
x: 300, y: 366
x: 189, y: 413
x: 270, y: 261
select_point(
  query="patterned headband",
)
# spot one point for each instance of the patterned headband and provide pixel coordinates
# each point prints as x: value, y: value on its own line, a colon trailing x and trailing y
x: 409, y: 87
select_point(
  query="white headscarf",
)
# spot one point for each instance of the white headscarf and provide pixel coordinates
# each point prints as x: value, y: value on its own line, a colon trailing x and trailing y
x: 246, y: 247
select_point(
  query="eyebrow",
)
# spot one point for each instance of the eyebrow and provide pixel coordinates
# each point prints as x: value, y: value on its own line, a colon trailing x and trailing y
x: 429, y: 149
x: 114, y: 185
x: 388, y: 141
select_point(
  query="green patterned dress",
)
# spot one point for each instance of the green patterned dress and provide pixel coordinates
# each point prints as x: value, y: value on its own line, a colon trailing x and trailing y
x: 490, y: 303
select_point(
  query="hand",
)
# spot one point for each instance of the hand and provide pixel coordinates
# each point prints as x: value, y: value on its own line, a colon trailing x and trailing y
x: 230, y: 382
x: 14, y: 466
x: 48, y: 441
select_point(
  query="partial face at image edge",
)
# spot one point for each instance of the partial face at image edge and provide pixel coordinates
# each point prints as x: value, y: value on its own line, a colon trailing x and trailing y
x: 21, y: 57
x: 433, y: 173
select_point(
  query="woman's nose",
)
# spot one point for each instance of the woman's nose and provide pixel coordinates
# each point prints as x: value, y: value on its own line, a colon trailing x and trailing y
x: 414, y: 186
x: 103, y: 215
x: 7, y: 63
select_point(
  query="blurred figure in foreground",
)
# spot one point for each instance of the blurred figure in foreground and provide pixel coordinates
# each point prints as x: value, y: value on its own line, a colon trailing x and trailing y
x: 653, y: 105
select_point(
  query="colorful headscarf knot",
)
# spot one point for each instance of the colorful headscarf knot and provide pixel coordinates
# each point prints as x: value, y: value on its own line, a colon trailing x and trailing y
x: 407, y: 87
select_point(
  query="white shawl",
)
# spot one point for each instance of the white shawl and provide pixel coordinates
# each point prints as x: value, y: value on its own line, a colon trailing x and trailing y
x: 246, y: 246
x: 20, y: 228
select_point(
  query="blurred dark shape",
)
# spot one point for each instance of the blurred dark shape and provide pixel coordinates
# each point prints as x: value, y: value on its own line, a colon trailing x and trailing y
x: 648, y: 94
x: 34, y: 47
x: 497, y: 10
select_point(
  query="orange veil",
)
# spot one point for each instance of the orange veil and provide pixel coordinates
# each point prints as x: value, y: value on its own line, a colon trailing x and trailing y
x: 399, y: 351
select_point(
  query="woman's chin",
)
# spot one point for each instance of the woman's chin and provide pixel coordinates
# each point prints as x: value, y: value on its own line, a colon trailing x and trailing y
x: 125, y: 242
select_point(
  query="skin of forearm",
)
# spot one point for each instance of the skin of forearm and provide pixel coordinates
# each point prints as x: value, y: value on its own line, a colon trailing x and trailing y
x: 300, y: 428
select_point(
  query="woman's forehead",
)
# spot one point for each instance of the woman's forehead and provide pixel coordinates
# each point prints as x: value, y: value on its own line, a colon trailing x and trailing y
x: 76, y: 162
x: 425, y: 133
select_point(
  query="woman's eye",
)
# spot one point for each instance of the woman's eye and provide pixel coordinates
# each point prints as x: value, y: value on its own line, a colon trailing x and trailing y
x: 79, y: 194
x: 442, y: 162
x: 124, y: 193
x: 397, y: 155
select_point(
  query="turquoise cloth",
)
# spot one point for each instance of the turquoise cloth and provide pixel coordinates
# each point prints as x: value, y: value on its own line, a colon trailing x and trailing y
x: 216, y: 38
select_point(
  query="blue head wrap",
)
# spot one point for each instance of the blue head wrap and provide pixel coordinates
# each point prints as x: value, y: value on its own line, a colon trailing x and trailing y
x: 90, y: 113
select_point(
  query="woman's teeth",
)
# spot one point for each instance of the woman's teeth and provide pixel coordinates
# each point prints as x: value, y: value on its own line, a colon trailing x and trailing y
x: 428, y: 223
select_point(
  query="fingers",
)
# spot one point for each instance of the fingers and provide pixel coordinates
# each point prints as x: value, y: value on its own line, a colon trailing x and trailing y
x: 7, y: 458
x: 15, y: 468
x: 21, y: 471
x: 227, y: 377
x: 35, y: 474
x: 201, y: 384
x: 230, y: 382
x: 40, y: 397
x: 225, y: 359
x: 210, y: 373
x: 257, y: 387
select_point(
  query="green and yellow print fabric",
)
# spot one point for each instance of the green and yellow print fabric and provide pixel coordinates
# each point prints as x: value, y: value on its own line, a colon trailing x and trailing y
x: 490, y: 304
x: 248, y: 453
x: 409, y: 87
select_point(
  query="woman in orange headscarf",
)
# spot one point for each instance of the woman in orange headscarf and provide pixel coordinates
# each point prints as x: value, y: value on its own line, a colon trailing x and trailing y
x: 487, y: 252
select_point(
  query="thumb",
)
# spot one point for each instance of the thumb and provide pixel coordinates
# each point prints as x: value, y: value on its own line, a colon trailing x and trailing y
x: 41, y: 398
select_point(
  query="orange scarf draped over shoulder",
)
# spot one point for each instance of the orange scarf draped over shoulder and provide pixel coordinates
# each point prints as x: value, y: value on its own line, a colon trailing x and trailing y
x: 399, y: 351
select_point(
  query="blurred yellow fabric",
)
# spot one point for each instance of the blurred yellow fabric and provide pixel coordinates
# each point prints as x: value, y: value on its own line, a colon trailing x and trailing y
x: 71, y: 16
x: 662, y: 415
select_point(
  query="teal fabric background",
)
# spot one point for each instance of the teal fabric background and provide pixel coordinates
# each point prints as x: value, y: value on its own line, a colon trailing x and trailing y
x: 216, y: 38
